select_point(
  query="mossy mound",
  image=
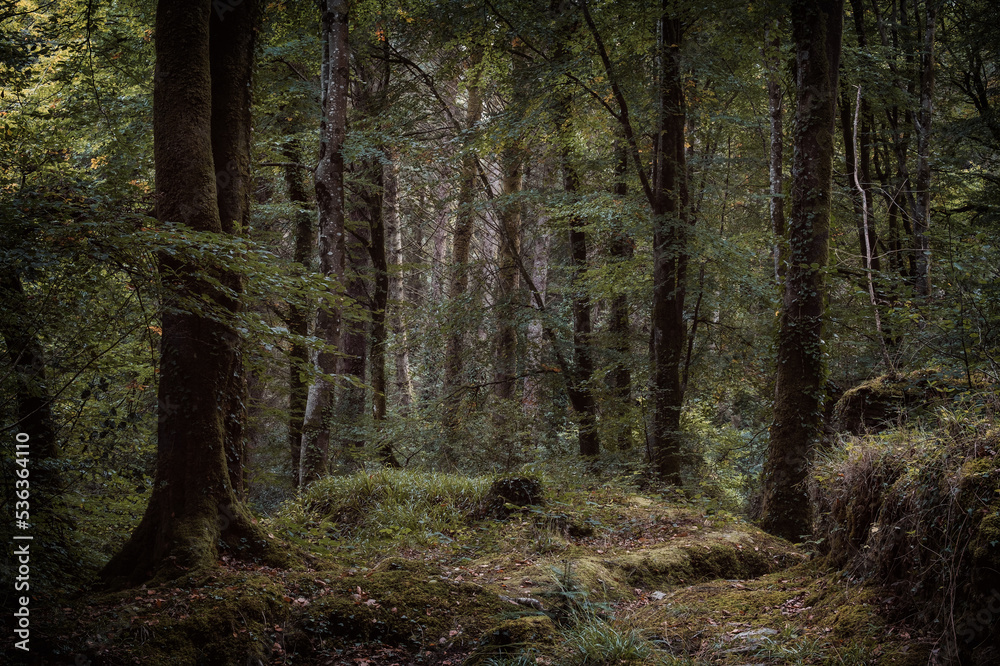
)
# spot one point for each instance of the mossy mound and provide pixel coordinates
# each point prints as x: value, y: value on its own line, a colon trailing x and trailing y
x: 510, y: 495
x: 515, y: 635
x: 229, y: 619
x: 889, y: 400
x: 802, y: 615
x: 728, y: 553
x: 401, y: 602
x: 916, y: 512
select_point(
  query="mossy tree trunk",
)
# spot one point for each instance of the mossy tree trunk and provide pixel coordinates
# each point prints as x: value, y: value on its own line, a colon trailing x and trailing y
x: 194, y: 505
x: 580, y: 381
x: 801, y: 374
x: 667, y: 195
x: 329, y: 182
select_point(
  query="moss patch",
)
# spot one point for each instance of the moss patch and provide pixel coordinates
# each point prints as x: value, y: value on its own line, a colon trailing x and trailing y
x: 802, y: 615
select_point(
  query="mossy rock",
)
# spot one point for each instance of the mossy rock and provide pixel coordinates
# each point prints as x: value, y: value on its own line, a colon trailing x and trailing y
x: 880, y: 403
x: 729, y: 555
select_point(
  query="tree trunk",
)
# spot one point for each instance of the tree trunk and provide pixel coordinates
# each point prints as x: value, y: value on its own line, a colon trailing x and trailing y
x: 231, y: 56
x: 354, y: 338
x: 465, y: 216
x: 536, y: 334
x: 380, y: 301
x: 193, y: 506
x: 670, y: 257
x: 380, y: 304
x: 858, y: 164
x: 508, y: 252
x: 620, y: 377
x: 580, y: 383
x: 298, y: 317
x: 801, y: 371
x: 922, y: 180
x: 579, y: 378
x: 329, y: 183
x: 397, y: 296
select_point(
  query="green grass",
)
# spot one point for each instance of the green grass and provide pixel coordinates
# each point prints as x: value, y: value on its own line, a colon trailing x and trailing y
x: 602, y: 642
x: 365, y: 510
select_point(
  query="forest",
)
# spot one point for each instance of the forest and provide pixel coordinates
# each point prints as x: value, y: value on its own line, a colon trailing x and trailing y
x: 500, y: 332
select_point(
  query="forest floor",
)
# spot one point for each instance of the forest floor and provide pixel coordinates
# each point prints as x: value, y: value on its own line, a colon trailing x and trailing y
x: 597, y: 574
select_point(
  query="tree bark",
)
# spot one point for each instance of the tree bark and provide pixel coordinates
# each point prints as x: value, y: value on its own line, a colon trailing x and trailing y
x: 329, y: 183
x: 857, y: 162
x: 580, y: 381
x: 801, y: 373
x: 193, y: 506
x: 670, y: 257
x: 231, y: 48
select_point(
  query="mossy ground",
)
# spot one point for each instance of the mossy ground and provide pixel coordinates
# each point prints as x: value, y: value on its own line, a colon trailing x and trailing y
x: 594, y: 571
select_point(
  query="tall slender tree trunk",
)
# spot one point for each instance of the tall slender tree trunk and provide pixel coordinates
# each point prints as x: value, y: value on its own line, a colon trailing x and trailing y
x: 397, y: 295
x: 858, y: 163
x: 922, y: 127
x: 439, y: 241
x: 508, y: 254
x: 194, y: 504
x: 579, y: 378
x: 536, y: 333
x: 350, y: 409
x: 801, y: 373
x: 380, y: 306
x: 465, y: 216
x: 380, y: 301
x: 329, y: 182
x: 670, y: 257
x: 580, y: 381
x: 298, y: 316
x: 621, y: 250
